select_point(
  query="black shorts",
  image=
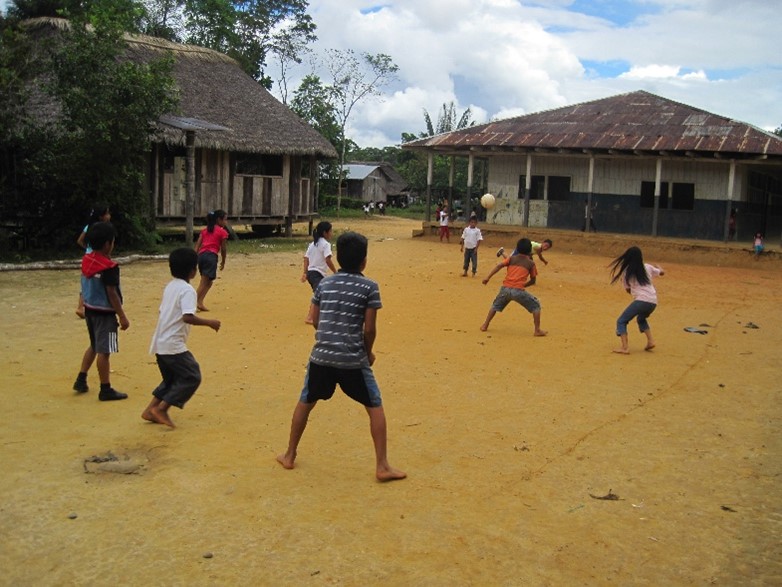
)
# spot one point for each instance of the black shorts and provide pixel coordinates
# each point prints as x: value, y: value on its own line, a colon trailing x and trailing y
x: 207, y: 265
x: 358, y: 384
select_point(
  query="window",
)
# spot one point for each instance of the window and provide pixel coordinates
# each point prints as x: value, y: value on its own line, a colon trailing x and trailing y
x: 537, y: 188
x: 682, y: 195
x: 558, y: 188
x: 255, y: 164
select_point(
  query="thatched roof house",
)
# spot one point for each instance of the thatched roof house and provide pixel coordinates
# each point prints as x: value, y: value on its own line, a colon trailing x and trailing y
x: 254, y: 157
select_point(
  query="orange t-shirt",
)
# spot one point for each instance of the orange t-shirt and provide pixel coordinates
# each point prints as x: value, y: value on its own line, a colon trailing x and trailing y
x: 520, y: 268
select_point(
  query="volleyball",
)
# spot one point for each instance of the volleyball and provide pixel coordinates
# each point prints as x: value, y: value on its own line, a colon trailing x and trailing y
x: 487, y: 201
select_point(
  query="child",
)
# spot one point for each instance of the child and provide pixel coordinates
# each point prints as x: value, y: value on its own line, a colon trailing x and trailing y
x: 443, y: 217
x: 317, y: 259
x: 758, y: 244
x: 637, y: 279
x: 522, y: 274
x: 469, y: 243
x: 537, y: 249
x: 179, y: 369
x: 210, y: 242
x: 103, y: 305
x: 344, y: 314
x: 99, y: 213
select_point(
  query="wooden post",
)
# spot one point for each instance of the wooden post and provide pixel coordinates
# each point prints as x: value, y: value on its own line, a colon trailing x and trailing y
x: 527, y: 188
x: 190, y: 189
x: 590, y: 189
x: 450, y: 183
x: 729, y: 207
x: 470, y: 164
x: 657, y: 181
x: 429, y: 173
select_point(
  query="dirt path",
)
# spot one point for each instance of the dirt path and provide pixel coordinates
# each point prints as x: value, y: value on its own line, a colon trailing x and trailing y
x: 504, y: 436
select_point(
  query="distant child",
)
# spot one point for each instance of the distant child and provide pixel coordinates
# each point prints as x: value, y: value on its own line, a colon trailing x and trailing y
x: 758, y: 244
x: 521, y: 274
x: 103, y: 306
x: 444, y: 217
x: 636, y: 277
x: 344, y: 314
x: 317, y: 259
x: 210, y: 242
x: 99, y: 213
x: 469, y: 243
x: 537, y: 249
x: 179, y: 369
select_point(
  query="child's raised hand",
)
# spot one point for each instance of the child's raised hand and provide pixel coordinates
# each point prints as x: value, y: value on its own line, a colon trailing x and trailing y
x: 214, y: 325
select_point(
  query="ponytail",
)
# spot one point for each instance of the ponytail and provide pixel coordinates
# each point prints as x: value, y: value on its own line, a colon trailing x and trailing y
x: 321, y: 229
x: 212, y: 218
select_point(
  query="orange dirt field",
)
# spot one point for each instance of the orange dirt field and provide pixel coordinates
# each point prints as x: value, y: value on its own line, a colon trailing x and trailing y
x: 506, y: 438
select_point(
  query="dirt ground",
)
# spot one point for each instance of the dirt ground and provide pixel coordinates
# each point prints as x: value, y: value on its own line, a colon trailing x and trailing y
x: 506, y: 438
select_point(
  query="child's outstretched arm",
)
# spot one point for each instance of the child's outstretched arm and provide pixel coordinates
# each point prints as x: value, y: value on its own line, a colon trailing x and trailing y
x: 370, y: 332
x: 198, y: 321
x: 223, y: 253
x: 197, y: 246
x: 493, y: 271
x: 305, y: 268
x: 330, y: 263
x: 116, y: 304
x: 82, y: 240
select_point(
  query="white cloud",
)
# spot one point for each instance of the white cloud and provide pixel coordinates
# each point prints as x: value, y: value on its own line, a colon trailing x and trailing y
x: 510, y: 57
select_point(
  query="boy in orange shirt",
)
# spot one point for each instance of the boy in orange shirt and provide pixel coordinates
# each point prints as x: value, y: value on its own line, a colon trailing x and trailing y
x: 522, y: 273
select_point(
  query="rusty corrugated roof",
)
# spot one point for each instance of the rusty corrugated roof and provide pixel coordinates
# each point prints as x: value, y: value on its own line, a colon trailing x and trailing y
x: 637, y: 122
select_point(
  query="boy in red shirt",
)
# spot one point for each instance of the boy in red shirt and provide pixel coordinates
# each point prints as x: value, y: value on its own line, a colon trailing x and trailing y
x: 522, y: 273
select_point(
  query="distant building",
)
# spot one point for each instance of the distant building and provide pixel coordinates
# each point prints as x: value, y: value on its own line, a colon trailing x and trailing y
x: 645, y: 164
x: 375, y: 182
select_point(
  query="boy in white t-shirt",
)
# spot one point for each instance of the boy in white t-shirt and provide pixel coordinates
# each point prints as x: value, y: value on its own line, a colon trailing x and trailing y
x: 470, y: 241
x: 179, y: 369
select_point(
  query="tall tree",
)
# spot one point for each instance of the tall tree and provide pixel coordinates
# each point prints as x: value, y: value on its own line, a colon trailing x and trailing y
x: 354, y: 79
x: 447, y: 120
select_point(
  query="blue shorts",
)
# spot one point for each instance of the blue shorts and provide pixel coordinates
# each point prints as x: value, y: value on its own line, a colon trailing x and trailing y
x: 207, y: 265
x: 358, y: 384
x: 513, y: 294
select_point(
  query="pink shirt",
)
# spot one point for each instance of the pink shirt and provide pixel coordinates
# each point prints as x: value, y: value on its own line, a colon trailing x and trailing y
x: 644, y: 293
x: 212, y: 241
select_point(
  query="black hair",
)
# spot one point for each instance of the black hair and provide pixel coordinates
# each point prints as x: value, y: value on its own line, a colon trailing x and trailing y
x: 212, y: 217
x: 99, y: 234
x: 630, y: 264
x: 182, y: 262
x: 351, y: 251
x: 549, y: 241
x: 524, y: 246
x: 321, y: 229
x: 98, y: 210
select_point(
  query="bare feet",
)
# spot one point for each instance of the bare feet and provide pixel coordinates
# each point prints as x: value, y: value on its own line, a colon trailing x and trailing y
x: 202, y: 308
x: 484, y: 327
x: 541, y: 332
x: 649, y: 346
x: 158, y: 417
x: 286, y: 461
x: 621, y: 351
x: 389, y: 474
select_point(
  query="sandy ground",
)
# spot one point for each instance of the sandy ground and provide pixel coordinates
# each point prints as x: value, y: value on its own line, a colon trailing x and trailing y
x: 505, y: 437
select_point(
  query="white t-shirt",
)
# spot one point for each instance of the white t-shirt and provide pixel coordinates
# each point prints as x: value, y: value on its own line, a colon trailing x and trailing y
x: 471, y: 236
x: 443, y: 218
x: 317, y: 253
x: 170, y: 338
x: 644, y: 293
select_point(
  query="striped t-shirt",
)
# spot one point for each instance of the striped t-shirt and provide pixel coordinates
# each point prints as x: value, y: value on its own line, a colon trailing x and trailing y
x: 343, y: 299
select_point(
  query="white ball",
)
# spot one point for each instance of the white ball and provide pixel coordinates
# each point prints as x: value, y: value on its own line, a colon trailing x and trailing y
x: 487, y: 201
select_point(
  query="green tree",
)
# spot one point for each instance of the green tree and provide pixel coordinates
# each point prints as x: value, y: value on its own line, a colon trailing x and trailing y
x: 353, y: 80
x: 778, y: 132
x: 447, y: 120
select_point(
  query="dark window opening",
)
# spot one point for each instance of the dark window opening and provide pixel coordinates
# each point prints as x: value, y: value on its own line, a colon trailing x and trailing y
x: 647, y: 194
x: 255, y: 164
x: 537, y: 187
x: 559, y: 188
x: 683, y: 197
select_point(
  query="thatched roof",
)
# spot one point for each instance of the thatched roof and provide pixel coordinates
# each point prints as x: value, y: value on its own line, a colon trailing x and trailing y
x: 636, y: 123
x: 214, y: 89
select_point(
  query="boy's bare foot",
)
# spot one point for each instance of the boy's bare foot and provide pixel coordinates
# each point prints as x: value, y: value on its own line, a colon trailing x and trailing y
x: 202, y: 308
x: 484, y: 328
x: 158, y: 417
x: 309, y: 321
x: 286, y: 461
x: 541, y: 332
x: 621, y: 351
x: 649, y: 346
x: 389, y: 474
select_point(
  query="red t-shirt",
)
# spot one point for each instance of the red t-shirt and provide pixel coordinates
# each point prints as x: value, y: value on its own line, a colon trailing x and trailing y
x: 212, y: 241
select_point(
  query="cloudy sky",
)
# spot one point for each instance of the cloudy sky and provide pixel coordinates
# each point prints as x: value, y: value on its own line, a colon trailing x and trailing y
x: 505, y: 58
